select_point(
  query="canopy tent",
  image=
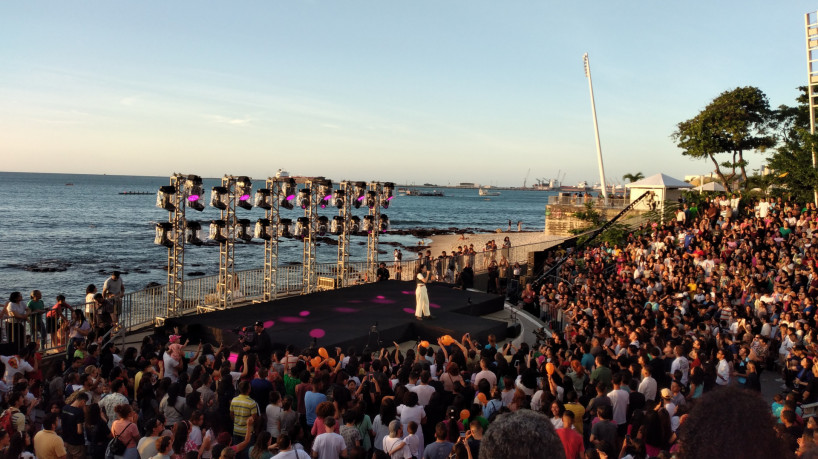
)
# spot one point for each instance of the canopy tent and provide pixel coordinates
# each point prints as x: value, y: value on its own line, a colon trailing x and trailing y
x: 711, y: 186
x: 663, y: 188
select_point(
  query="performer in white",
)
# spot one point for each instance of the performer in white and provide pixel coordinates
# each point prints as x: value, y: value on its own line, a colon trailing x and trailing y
x: 421, y: 296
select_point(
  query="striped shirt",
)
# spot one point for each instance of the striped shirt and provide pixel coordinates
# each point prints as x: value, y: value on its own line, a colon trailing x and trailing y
x: 242, y: 407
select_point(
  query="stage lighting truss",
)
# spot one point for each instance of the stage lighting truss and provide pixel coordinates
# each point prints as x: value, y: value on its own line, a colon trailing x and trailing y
x: 371, y: 199
x: 302, y: 227
x: 243, y: 230
x: 287, y: 194
x: 325, y: 193
x: 262, y: 230
x: 285, y: 227
x: 386, y: 194
x: 244, y: 189
x: 165, y: 197
x: 323, y: 226
x: 264, y: 199
x: 369, y: 223
x: 193, y: 233
x: 384, y: 223
x: 164, y: 234
x: 355, y: 225
x: 337, y: 226
x: 360, y: 193
x: 220, y: 197
x: 338, y: 200
x: 303, y: 199
x: 218, y: 231
x: 194, y: 191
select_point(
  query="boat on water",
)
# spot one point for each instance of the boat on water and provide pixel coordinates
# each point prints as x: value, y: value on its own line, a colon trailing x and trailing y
x: 580, y: 188
x: 424, y: 193
x: 69, y: 184
x: 485, y: 192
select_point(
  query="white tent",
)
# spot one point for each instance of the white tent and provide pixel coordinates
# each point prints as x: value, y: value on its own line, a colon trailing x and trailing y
x: 663, y: 187
x: 711, y: 186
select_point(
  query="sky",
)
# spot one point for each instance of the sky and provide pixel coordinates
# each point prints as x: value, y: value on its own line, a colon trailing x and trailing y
x: 412, y: 92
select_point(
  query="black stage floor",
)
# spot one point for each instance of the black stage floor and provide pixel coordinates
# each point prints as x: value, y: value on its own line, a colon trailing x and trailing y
x: 349, y: 317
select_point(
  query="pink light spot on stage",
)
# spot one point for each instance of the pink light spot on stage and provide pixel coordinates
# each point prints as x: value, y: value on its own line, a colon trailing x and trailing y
x: 434, y: 305
x: 354, y: 301
x: 233, y: 357
x: 345, y: 310
x: 269, y: 323
x: 304, y: 313
x: 291, y: 320
x: 384, y: 301
x: 380, y: 297
x: 409, y: 310
x: 408, y: 292
x: 317, y: 333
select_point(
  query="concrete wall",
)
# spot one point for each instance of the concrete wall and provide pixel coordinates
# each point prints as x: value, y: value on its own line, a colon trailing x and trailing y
x: 559, y: 219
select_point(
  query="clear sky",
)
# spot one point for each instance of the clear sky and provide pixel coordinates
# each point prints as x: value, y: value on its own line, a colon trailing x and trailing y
x: 417, y: 91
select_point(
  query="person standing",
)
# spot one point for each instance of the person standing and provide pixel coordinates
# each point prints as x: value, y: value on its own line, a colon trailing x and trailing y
x: 382, y: 274
x: 242, y: 407
x: 73, y: 418
x: 421, y: 295
x: 36, y: 308
x: 113, y: 289
x: 47, y: 444
x: 329, y: 445
x: 18, y: 314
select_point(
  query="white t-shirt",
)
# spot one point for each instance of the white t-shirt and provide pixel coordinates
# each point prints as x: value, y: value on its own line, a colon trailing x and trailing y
x: 273, y: 413
x: 390, y: 443
x: 619, y: 399
x: 329, y: 445
x: 14, y: 365
x: 292, y: 454
x: 171, y: 367
x: 424, y: 392
x: 113, y: 287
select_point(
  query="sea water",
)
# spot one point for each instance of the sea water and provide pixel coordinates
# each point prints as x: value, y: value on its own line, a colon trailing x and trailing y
x: 81, y: 226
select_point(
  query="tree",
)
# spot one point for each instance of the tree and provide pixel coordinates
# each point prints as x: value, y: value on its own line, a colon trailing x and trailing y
x: 734, y: 122
x: 792, y: 160
x: 633, y: 177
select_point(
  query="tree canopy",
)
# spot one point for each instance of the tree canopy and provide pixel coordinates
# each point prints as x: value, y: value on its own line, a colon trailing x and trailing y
x: 735, y: 122
x: 633, y: 177
x: 792, y: 159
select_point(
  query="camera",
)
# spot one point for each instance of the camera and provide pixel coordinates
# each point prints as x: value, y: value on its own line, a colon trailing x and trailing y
x: 247, y: 335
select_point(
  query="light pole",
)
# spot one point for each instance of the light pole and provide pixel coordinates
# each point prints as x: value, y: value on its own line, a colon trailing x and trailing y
x: 596, y: 130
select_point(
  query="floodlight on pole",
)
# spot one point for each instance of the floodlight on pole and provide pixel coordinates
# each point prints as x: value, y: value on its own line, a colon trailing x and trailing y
x: 218, y: 231
x: 219, y: 197
x: 193, y: 232
x: 165, y: 197
x: 262, y: 230
x: 360, y: 193
x: 244, y: 188
x: 243, y: 230
x: 194, y: 191
x: 164, y: 234
x: 264, y: 198
x: 386, y: 194
x: 285, y: 227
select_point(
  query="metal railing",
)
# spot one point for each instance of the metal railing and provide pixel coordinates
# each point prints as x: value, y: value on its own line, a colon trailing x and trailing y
x: 613, y: 203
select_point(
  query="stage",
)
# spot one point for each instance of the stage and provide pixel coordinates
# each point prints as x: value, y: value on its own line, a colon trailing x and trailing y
x: 364, y: 316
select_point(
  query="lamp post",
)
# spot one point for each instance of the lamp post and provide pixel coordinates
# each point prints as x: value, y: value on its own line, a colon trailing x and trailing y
x: 596, y: 129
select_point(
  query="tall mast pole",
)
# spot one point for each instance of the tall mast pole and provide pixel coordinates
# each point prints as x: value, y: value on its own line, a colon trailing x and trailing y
x: 596, y: 129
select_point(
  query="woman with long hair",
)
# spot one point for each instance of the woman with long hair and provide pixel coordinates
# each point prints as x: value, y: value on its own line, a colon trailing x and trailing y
x: 125, y: 429
x: 261, y: 449
x: 78, y: 330
x: 421, y: 295
x: 380, y: 425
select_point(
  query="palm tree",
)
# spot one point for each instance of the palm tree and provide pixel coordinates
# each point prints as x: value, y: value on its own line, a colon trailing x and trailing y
x: 633, y: 177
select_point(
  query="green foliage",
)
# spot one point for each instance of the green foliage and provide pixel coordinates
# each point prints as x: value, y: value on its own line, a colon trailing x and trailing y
x: 633, y: 177
x: 792, y: 160
x: 614, y: 234
x: 734, y: 122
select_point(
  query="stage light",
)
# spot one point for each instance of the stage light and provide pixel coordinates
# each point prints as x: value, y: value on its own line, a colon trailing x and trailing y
x: 325, y: 193
x: 337, y: 226
x: 369, y: 223
x: 193, y: 232
x: 338, y: 201
x: 285, y: 227
x: 264, y: 198
x: 263, y: 229
x: 195, y: 192
x: 360, y: 191
x: 355, y: 225
x: 302, y: 227
x: 218, y: 231
x: 164, y: 234
x: 219, y: 197
x: 384, y: 224
x: 303, y: 198
x: 243, y: 230
x: 323, y: 226
x: 244, y: 188
x: 371, y: 199
x: 164, y: 197
x: 386, y: 194
x: 287, y: 194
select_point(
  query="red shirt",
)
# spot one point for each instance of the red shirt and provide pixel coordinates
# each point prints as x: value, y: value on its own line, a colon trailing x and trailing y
x: 572, y: 442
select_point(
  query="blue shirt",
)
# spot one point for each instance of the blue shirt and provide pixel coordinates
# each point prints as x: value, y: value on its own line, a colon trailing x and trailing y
x: 311, y: 402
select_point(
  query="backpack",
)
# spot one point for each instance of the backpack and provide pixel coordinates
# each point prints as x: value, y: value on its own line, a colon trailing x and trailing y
x: 6, y: 421
x: 116, y: 447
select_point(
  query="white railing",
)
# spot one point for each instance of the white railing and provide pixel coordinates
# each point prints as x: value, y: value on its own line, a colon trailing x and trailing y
x: 613, y: 203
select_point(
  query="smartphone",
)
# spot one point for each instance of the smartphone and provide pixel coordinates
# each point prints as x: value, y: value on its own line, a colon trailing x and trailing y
x: 462, y: 434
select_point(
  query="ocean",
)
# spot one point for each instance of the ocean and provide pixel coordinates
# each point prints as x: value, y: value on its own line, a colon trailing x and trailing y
x: 86, y: 230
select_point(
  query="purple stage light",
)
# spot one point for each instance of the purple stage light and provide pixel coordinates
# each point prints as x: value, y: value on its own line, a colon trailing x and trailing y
x: 384, y: 301
x: 389, y: 198
x: 317, y: 333
x: 193, y: 198
x: 304, y: 313
x: 354, y: 301
x: 328, y: 197
x: 380, y: 297
x: 269, y: 323
x: 233, y: 357
x: 244, y: 197
x: 345, y: 310
x: 409, y: 310
x: 361, y: 198
x: 290, y: 197
x: 433, y: 305
x: 408, y: 292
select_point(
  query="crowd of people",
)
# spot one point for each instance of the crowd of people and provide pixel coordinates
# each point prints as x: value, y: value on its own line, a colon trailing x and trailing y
x: 659, y: 350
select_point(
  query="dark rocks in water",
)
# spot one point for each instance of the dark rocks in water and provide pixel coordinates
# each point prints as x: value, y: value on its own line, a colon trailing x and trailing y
x: 326, y: 240
x: 153, y: 284
x: 196, y: 264
x: 46, y: 266
x: 196, y: 273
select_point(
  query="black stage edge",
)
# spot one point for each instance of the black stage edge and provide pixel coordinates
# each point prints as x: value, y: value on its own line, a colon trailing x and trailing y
x: 366, y: 316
